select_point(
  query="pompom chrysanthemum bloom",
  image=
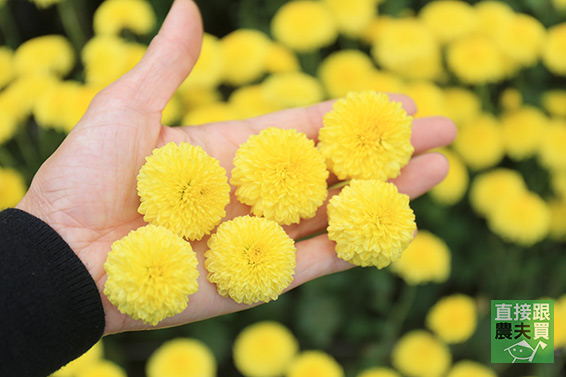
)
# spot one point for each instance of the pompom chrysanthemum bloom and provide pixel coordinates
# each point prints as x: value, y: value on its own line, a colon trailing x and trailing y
x: 480, y: 142
x: 292, y: 89
x: 408, y: 48
x: 554, y: 102
x: 183, y: 189
x: 366, y: 135
x: 212, y: 112
x: 554, y: 50
x: 246, y: 52
x: 45, y: 54
x: 419, y: 354
x: 379, y: 372
x: 102, y: 368
x: 151, y: 273
x: 314, y: 363
x: 7, y: 71
x: 552, y: 150
x: 344, y: 71
x: 523, y: 219
x: 264, y: 349
x: 182, y: 358
x: 281, y: 59
x: 523, y: 131
x: 452, y: 189
x: 461, y: 105
x: 304, y: 25
x: 489, y: 189
x: 8, y: 125
x: 427, y: 259
x: 281, y: 175
x: 352, y: 17
x: 12, y: 188
x: 467, y: 368
x: 449, y: 20
x: 111, y: 17
x: 371, y: 223
x: 521, y: 39
x: 428, y: 97
x: 511, y: 100
x: 250, y: 101
x: 453, y: 318
x: 209, y: 69
x: 476, y: 60
x: 492, y: 16
x: 250, y: 259
x: 381, y: 81
x: 82, y: 363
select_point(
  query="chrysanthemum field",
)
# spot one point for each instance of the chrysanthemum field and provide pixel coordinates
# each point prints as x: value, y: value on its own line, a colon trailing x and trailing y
x: 494, y: 229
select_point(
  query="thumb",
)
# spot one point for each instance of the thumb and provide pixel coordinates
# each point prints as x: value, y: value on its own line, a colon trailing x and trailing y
x: 168, y: 60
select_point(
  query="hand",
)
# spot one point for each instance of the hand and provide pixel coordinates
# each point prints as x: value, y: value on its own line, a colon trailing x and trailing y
x: 86, y: 190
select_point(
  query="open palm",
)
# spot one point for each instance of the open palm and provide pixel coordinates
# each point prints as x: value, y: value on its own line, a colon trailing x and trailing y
x: 87, y: 192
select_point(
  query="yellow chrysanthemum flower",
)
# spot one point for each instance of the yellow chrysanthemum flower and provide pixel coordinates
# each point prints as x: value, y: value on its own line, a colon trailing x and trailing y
x: 251, y: 101
x: 492, y: 16
x: 7, y: 71
x: 375, y: 28
x: 304, y: 25
x: 379, y: 372
x: 281, y: 59
x: 151, y: 274
x: 8, y: 125
x: 182, y: 358
x: 428, y: 97
x: 559, y: 5
x: 557, y: 215
x: 246, y: 52
x: 560, y: 322
x: 250, y: 259
x: 20, y: 97
x: 523, y: 131
x: 111, y: 17
x: 292, y: 89
x: 427, y: 259
x: 449, y: 20
x: 12, y: 188
x: 171, y: 114
x: 194, y: 97
x: 461, y: 105
x: 208, y: 71
x: 554, y: 50
x: 387, y: 82
x: 344, y: 71
x: 452, y: 189
x: 419, y: 354
x: 558, y: 183
x: 91, y: 357
x: 554, y: 102
x: 352, y: 17
x: 491, y: 188
x: 476, y: 60
x: 366, y: 136
x: 62, y: 105
x: 264, y: 349
x: 453, y: 318
x: 521, y: 38
x: 281, y: 175
x: 210, y: 113
x: 480, y: 142
x: 408, y: 48
x: 46, y: 54
x: 552, y: 149
x: 511, y: 100
x: 183, y: 189
x: 314, y: 363
x: 467, y: 368
x: 371, y: 223
x: 102, y: 368
x: 523, y: 219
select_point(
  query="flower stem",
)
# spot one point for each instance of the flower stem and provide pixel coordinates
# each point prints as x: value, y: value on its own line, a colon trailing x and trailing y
x: 339, y: 185
x: 68, y: 13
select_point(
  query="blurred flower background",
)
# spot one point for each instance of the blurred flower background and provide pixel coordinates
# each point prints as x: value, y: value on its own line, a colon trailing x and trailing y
x: 495, y: 228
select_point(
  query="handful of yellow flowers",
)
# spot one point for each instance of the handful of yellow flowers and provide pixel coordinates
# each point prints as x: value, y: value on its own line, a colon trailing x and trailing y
x: 282, y: 176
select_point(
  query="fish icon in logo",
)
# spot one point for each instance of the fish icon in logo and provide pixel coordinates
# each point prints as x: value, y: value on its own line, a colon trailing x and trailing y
x: 524, y: 351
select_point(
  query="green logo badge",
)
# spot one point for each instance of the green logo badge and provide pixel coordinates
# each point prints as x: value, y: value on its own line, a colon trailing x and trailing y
x: 522, y: 331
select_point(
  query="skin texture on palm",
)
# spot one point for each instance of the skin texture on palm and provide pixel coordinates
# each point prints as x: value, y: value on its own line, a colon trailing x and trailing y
x: 87, y: 192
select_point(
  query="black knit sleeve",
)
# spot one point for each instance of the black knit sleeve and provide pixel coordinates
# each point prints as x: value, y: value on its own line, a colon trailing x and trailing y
x: 50, y: 308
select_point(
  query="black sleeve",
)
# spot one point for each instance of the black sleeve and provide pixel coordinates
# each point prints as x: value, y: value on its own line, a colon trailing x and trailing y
x: 50, y: 308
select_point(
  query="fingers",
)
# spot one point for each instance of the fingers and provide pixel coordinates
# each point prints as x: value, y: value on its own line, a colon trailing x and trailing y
x: 168, y: 60
x: 432, y: 132
x: 421, y: 174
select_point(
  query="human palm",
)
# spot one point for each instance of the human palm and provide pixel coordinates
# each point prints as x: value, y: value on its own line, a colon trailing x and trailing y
x: 87, y: 192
